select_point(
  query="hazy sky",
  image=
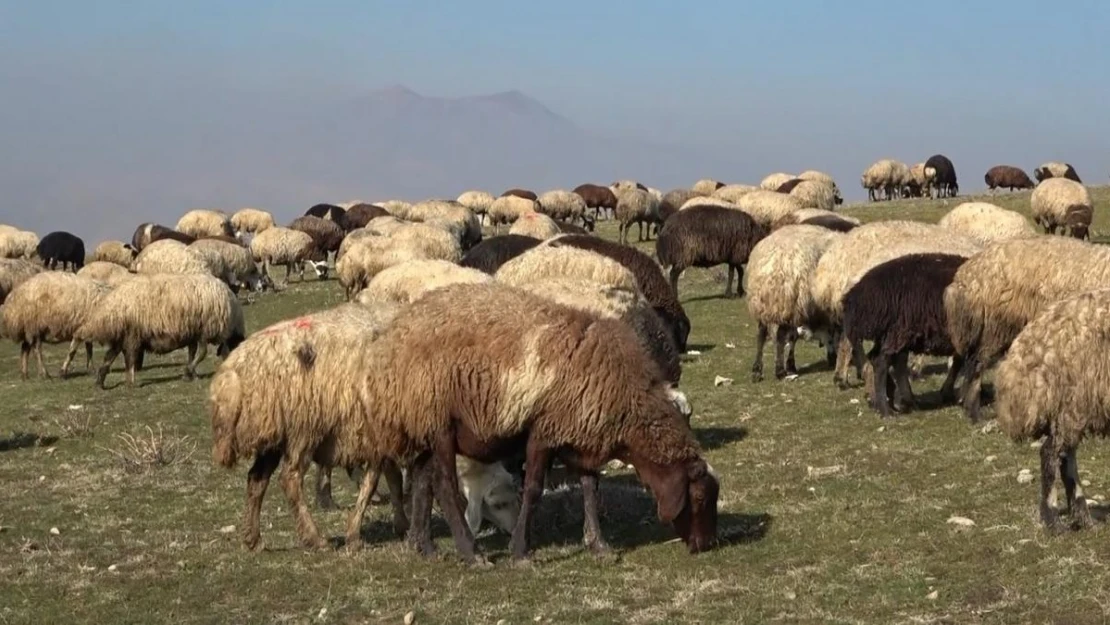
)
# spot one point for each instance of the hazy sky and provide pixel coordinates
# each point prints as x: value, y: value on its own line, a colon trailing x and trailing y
x: 116, y: 112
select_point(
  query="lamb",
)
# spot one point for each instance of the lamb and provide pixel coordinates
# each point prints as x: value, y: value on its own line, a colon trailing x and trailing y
x: 1060, y: 202
x: 49, y: 308
x: 1056, y: 170
x: 489, y: 255
x: 148, y: 233
x: 235, y: 261
x: 598, y: 198
x: 766, y: 207
x: 987, y: 223
x: 563, y: 206
x: 14, y: 272
x: 282, y: 246
x: 251, y: 221
x: 204, y: 223
x: 477, y: 202
x: 169, y: 256
x: 706, y: 236
x: 780, y: 269
x: 1008, y: 177
x: 649, y: 279
x: 409, y: 281
x: 118, y: 252
x: 328, y: 212
x: 327, y: 235
x: 62, y: 247
x: 899, y: 305
x: 733, y: 193
x: 945, y: 180
x: 818, y: 217
x: 536, y: 225
x: 815, y: 194
x: 635, y: 207
x: 162, y: 313
x: 1004, y: 287
x: 564, y: 383
x: 1042, y: 389
x: 450, y: 216
x: 108, y: 273
x: 360, y: 214
x: 18, y: 244
x: 507, y: 208
x: 706, y: 186
x: 774, y: 181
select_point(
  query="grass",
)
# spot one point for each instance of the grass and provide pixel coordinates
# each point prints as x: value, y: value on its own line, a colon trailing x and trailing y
x: 829, y: 515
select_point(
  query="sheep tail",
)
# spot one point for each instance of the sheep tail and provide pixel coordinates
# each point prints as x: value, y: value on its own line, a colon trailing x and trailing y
x: 225, y: 408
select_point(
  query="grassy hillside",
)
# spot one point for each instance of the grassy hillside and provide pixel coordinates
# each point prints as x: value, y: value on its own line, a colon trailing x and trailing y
x: 829, y: 515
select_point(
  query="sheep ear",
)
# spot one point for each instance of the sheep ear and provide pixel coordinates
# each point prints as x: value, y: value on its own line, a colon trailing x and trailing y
x: 474, y: 512
x: 670, y: 493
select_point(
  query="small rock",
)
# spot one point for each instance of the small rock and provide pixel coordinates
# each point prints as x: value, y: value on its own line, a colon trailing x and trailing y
x: 812, y: 489
x: 227, y: 529
x: 730, y: 345
x: 113, y: 568
x: 85, y: 569
x: 322, y: 614
x: 502, y: 621
x: 933, y: 595
x: 538, y: 618
x: 882, y: 428
x: 791, y: 377
x: 42, y: 478
x: 55, y: 531
x: 410, y: 618
x: 853, y: 401
x: 722, y: 381
x: 1085, y: 483
x: 790, y: 595
x: 693, y: 352
x: 1035, y: 445
x: 1025, y: 476
x: 823, y: 471
x: 988, y: 428
x: 616, y: 464
x: 962, y: 521
x: 51, y: 450
x: 75, y: 406
x: 990, y: 459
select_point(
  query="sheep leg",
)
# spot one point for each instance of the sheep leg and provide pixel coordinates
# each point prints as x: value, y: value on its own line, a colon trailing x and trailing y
x: 292, y: 482
x: 973, y: 380
x: 354, y: 522
x: 109, y: 357
x: 591, y: 526
x: 1049, y: 465
x: 760, y: 342
x: 38, y: 358
x: 782, y: 335
x: 197, y: 352
x: 88, y: 356
x: 258, y: 478
x: 791, y: 342
x: 676, y: 271
x: 24, y: 356
x: 535, y: 469
x: 324, y: 499
x: 844, y: 355
x: 881, y: 364
x: 69, y: 357
x: 396, y: 484
x: 948, y: 389
x: 420, y: 529
x: 640, y: 231
x: 904, y: 400
x: 1077, y: 502
x: 448, y: 496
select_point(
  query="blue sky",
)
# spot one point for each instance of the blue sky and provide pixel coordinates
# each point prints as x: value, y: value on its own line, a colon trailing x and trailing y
x: 829, y: 85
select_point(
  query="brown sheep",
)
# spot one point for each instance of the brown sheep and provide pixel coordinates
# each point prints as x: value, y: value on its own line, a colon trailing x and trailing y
x: 599, y: 198
x: 360, y: 214
x: 1008, y: 177
x: 707, y: 236
x: 522, y: 193
x: 326, y: 234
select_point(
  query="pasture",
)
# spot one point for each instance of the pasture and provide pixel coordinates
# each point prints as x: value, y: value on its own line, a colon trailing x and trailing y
x: 112, y: 511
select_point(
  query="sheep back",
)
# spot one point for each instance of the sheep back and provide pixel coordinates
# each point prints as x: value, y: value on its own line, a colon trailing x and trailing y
x: 51, y: 306
x: 779, y: 272
x: 489, y: 255
x: 202, y: 223
x: 409, y: 281
x: 987, y: 223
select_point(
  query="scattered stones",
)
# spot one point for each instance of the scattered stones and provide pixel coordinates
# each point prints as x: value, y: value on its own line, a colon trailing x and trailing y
x: 961, y: 521
x: 990, y: 459
x: 853, y: 401
x: 1025, y: 476
x: 933, y: 595
x: 55, y: 531
x: 693, y: 352
x: 1085, y: 483
x: 722, y: 381
x: 730, y: 345
x: 113, y: 568
x: 227, y: 529
x: 410, y: 618
x: 989, y: 427
x: 824, y: 471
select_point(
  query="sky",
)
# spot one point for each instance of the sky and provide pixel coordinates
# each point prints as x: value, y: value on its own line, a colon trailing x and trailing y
x: 117, y: 112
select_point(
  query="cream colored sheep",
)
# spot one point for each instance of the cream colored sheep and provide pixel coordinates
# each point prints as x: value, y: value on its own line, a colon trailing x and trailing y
x: 251, y: 221
x: 1062, y: 203
x: 815, y: 194
x: 561, y: 262
x: 235, y: 261
x: 370, y: 256
x: 881, y: 176
x: 563, y: 205
x: 1056, y: 170
x: 116, y: 252
x: 707, y: 201
x: 283, y: 246
x: 19, y: 244
x: 450, y: 216
x: 706, y: 186
x: 397, y: 208
x: 408, y: 281
x: 15, y: 271
x: 205, y: 223
x: 923, y: 178
x: 767, y: 207
x: 169, y: 256
x: 733, y: 192
x: 535, y: 225
x: 108, y: 273
x: 506, y: 210
x: 635, y: 206
x: 987, y: 223
x: 774, y: 181
x: 818, y: 176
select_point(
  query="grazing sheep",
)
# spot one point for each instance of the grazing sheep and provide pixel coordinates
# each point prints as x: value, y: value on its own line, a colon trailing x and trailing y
x: 397, y: 208
x: 409, y: 281
x: 563, y: 206
x: 767, y: 207
x: 620, y: 186
x: 450, y: 216
x: 521, y: 193
x: 567, y: 228
x: 478, y: 202
x: 733, y: 193
x: 326, y: 234
x: 708, y: 201
x: 1044, y: 389
x: 945, y: 180
x: 886, y: 175
x: 707, y: 236
x: 815, y: 194
x: 108, y: 273
x: 329, y: 212
x: 251, y: 221
x: 921, y: 181
x: 489, y: 255
x: 14, y: 272
x: 386, y: 225
x: 1062, y: 203
x: 360, y: 214
x: 562, y: 262
x: 369, y: 256
x: 148, y: 233
x: 235, y: 260
x: 789, y: 185
x: 899, y: 305
x: 562, y: 383
x: 1007, y: 177
x: 777, y: 282
x: 1004, y: 287
x: 818, y: 217
x: 169, y: 256
x: 706, y: 186
x: 649, y: 279
x: 819, y: 176
x: 673, y: 200
x: 535, y: 225
x: 283, y: 246
x: 160, y: 314
x: 118, y: 252
x: 507, y: 208
x: 987, y: 223
x: 6, y: 229
x: 1056, y: 170
x: 62, y: 247
x: 18, y: 244
x: 49, y: 308
x: 597, y: 197
x: 635, y: 206
x: 202, y: 223
x: 774, y: 181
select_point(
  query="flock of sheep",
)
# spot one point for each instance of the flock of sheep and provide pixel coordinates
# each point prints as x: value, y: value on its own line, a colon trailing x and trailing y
x: 577, y: 356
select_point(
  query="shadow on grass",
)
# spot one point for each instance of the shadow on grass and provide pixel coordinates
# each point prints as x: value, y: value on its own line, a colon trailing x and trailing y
x: 715, y: 437
x: 705, y: 298
x: 23, y: 440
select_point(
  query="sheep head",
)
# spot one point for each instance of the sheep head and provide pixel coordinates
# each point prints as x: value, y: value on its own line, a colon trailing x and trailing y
x: 686, y: 497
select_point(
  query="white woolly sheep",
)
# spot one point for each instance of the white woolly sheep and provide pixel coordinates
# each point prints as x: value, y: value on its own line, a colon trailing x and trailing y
x: 564, y: 206
x: 235, y: 261
x: 477, y: 201
x: 370, y: 256
x: 563, y: 262
x: 707, y: 201
x: 922, y: 178
x: 767, y: 207
x: 450, y: 216
x: 397, y: 208
x: 987, y: 223
x: 733, y: 192
x: 18, y: 244
x: 408, y: 281
x: 506, y: 210
x: 774, y: 181
x: 205, y: 223
x: 15, y: 271
x: 706, y: 186
x: 169, y: 256
x: 49, y: 308
x: 116, y: 252
x: 536, y: 225
x: 635, y: 206
x: 108, y: 273
x: 886, y: 175
x: 1062, y: 203
x: 818, y: 176
x: 283, y: 246
x: 816, y: 194
x: 251, y: 221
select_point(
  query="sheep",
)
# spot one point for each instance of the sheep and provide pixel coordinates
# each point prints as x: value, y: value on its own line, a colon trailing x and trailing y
x: 789, y: 185
x: 328, y: 212
x: 1008, y: 177
x: 1056, y: 170
x: 889, y: 176
x: 815, y: 194
x: 598, y: 198
x: 561, y: 262
x: 733, y: 193
x: 108, y: 273
x: 706, y: 186
x: 818, y: 217
x: 235, y: 260
x: 819, y: 176
x: 635, y: 206
x: 397, y: 208
x: 1001, y: 289
x: 1044, y: 389
x: 251, y: 221
x: 18, y: 244
x: 489, y: 255
x: 563, y: 206
x: 169, y: 256
x: 61, y: 247
x: 507, y: 208
x: 13, y: 272
x: 283, y: 246
x: 568, y: 228
x: 621, y: 186
x: 777, y: 283
x: 450, y: 216
x: 649, y: 279
x: 706, y: 236
x: 708, y: 201
x: 117, y: 252
x: 899, y: 305
x: 369, y: 256
x: 560, y: 382
x: 1060, y: 202
x: 204, y: 223
x: 148, y: 233
x: 478, y: 202
x: 162, y: 313
x: 921, y: 180
x: 6, y: 229
x: 987, y: 223
x: 408, y: 281
x: 774, y: 181
x: 535, y: 225
x: 360, y: 214
x: 673, y: 200
x: 521, y: 193
x: 49, y: 308
x: 326, y: 234
x: 766, y: 207
x: 945, y: 180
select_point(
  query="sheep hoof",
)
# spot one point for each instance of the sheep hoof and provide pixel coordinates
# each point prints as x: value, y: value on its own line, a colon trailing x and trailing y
x: 757, y: 376
x: 780, y: 374
x: 325, y: 502
x: 189, y: 375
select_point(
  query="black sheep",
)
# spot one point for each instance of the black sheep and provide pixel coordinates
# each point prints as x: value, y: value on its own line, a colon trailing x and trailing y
x: 489, y: 255
x: 649, y: 279
x: 945, y: 180
x: 330, y: 212
x: 64, y: 248
x: 707, y: 236
x: 899, y: 305
x: 830, y: 222
x: 326, y: 234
